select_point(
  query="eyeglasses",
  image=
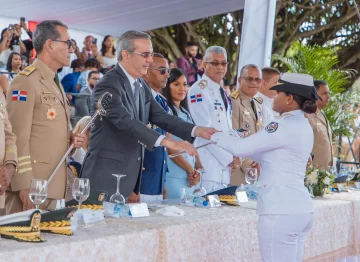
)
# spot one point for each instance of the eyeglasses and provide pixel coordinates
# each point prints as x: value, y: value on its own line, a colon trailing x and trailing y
x: 68, y: 42
x: 162, y: 71
x: 250, y: 79
x: 216, y: 63
x: 95, y: 78
x: 144, y: 54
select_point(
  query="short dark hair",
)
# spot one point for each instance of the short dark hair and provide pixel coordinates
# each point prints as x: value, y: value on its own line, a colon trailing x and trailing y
x: 44, y: 31
x: 77, y: 63
x: 318, y: 83
x: 268, y: 72
x: 249, y: 66
x: 188, y: 44
x: 92, y: 73
x: 92, y: 62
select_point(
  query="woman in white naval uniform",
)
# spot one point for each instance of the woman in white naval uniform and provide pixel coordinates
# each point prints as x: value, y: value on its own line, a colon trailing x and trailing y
x: 284, y: 205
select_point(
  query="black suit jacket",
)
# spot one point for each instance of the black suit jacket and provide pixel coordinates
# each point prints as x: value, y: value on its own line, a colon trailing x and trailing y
x: 117, y: 142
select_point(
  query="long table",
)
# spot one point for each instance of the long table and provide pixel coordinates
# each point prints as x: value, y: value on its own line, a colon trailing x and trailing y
x: 203, y: 234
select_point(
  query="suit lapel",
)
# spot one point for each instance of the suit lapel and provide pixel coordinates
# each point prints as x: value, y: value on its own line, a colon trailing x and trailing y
x: 142, y: 103
x: 129, y: 93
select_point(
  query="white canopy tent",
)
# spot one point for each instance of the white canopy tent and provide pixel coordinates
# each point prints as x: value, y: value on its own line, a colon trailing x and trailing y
x: 102, y: 17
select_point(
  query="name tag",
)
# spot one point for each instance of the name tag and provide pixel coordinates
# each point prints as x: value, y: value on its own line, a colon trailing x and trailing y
x: 92, y: 216
x: 242, y: 197
x: 139, y: 210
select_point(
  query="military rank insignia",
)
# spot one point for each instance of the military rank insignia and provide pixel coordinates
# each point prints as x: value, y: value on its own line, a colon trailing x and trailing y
x: 196, y: 98
x: 203, y: 84
x: 272, y: 127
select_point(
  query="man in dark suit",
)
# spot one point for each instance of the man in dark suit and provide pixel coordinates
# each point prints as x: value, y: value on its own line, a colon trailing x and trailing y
x: 117, y: 142
x: 83, y: 100
x: 152, y: 186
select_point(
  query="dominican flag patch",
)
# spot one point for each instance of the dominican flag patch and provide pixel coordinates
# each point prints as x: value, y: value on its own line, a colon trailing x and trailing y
x: 196, y: 98
x: 19, y: 95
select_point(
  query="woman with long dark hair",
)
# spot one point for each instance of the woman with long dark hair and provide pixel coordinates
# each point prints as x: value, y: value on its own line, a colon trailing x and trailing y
x: 282, y: 148
x: 10, y: 41
x: 107, y: 56
x: 182, y: 169
x: 12, y: 68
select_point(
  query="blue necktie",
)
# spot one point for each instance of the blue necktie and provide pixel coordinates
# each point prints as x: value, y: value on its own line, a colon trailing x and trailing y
x: 161, y: 101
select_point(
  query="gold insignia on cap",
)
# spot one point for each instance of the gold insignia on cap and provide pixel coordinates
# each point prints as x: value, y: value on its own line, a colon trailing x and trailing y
x: 101, y: 197
x: 51, y: 113
x: 203, y: 84
x: 28, y: 70
x: 235, y: 94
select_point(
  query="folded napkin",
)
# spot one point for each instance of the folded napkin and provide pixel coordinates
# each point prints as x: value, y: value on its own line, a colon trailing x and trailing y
x: 171, y: 211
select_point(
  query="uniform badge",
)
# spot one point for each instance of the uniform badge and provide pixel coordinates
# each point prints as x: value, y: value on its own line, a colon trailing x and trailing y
x: 51, y: 113
x: 196, y: 98
x: 259, y: 100
x: 246, y: 113
x: 18, y: 95
x: 203, y: 84
x: 272, y: 127
x: 235, y: 94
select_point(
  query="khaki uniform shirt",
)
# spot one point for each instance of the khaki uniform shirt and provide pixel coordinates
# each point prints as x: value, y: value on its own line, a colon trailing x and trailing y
x: 243, y: 116
x: 40, y: 115
x: 322, y: 150
x: 7, y: 140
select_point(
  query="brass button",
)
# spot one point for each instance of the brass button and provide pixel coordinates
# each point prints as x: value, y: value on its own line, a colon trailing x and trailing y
x: 34, y: 161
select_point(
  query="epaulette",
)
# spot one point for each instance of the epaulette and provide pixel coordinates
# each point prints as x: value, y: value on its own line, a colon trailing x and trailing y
x: 258, y: 99
x: 235, y: 94
x: 28, y: 70
x: 203, y: 84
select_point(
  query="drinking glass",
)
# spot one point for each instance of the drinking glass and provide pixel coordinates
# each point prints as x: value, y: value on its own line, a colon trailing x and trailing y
x: 38, y: 191
x: 251, y: 175
x: 118, y: 198
x: 198, y: 189
x: 332, y: 170
x: 81, y: 190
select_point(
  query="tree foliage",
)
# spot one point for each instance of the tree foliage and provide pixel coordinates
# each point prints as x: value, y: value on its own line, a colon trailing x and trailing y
x: 322, y: 22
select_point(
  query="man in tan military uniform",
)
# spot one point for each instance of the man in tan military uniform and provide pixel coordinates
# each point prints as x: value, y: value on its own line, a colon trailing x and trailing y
x: 246, y: 112
x: 40, y: 115
x: 322, y: 150
x: 8, y: 159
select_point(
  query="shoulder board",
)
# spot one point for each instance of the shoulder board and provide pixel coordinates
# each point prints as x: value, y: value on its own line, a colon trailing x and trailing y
x: 203, y: 84
x: 235, y: 94
x: 258, y: 99
x: 28, y: 70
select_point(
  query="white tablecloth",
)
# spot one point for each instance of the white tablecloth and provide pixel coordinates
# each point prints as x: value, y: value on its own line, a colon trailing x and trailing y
x: 203, y: 234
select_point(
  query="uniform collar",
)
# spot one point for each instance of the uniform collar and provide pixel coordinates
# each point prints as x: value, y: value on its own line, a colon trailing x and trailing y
x: 243, y: 96
x: 44, y: 70
x: 297, y: 112
x: 211, y: 84
x: 264, y: 97
x: 153, y: 93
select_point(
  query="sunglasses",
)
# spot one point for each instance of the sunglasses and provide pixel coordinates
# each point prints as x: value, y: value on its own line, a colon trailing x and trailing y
x: 68, y: 42
x: 215, y: 63
x: 162, y: 71
x: 250, y: 79
x: 145, y: 54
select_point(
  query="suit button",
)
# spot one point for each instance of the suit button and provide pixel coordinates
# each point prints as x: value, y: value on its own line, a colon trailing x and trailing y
x: 145, y: 146
x: 139, y: 158
x: 34, y: 161
x: 143, y: 169
x: 164, y: 161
